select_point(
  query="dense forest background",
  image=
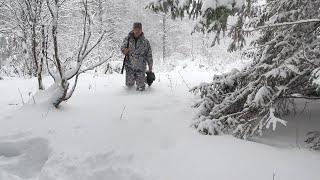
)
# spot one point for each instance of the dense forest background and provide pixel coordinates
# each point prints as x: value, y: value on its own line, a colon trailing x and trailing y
x: 171, y: 40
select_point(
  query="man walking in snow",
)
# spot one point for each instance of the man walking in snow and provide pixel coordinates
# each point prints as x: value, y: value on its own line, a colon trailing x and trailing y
x: 138, y: 54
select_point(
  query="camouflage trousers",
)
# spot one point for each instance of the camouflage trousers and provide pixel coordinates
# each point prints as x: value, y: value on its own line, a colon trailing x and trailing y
x: 135, y: 76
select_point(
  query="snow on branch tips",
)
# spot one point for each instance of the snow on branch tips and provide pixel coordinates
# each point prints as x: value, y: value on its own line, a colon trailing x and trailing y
x: 273, y: 120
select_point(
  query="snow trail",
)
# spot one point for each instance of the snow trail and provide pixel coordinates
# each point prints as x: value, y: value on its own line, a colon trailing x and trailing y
x: 109, y: 132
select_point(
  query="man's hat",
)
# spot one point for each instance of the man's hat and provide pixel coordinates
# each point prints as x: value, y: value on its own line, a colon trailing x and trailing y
x: 137, y: 25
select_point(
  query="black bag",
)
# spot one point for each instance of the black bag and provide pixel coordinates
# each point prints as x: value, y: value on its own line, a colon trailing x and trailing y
x: 150, y: 78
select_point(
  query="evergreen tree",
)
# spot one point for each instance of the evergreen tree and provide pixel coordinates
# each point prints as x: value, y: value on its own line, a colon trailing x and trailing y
x: 285, y: 65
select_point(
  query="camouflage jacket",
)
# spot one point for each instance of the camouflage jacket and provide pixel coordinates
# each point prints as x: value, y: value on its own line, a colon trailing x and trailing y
x: 141, y: 53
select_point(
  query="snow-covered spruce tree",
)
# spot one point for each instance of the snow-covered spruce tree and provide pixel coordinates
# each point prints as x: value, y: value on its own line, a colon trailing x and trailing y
x: 285, y: 66
x: 60, y: 90
x: 247, y: 102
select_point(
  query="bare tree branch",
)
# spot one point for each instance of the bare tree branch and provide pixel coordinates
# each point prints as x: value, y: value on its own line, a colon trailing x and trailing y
x: 70, y: 93
x: 95, y: 65
x: 80, y: 61
x: 99, y: 40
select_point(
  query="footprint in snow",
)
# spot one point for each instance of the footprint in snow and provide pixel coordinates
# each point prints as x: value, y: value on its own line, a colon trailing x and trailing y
x: 22, y: 156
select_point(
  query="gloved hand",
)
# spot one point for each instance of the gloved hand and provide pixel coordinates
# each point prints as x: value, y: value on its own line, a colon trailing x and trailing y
x: 126, y: 51
x: 150, y: 78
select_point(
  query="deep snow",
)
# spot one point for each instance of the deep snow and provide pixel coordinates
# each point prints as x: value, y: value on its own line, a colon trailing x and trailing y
x: 106, y: 132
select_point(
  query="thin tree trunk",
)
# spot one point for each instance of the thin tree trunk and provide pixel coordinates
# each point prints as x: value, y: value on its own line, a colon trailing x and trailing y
x: 37, y: 65
x: 40, y: 68
x: 34, y: 50
x: 63, y: 83
x: 164, y: 38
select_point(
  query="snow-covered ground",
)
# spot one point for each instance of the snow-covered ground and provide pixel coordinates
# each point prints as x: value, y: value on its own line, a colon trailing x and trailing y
x: 106, y: 132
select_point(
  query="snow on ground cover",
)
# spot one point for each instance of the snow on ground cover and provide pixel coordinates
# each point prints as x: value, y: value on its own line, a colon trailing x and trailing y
x: 108, y: 132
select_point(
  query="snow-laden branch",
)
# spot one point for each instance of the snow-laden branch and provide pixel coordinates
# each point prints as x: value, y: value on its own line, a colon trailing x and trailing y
x: 83, y: 55
x: 307, y: 59
x: 94, y: 65
x: 83, y: 50
x: 300, y: 97
x: 65, y: 91
x: 273, y: 120
x: 70, y: 93
x: 95, y: 45
x: 283, y: 24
